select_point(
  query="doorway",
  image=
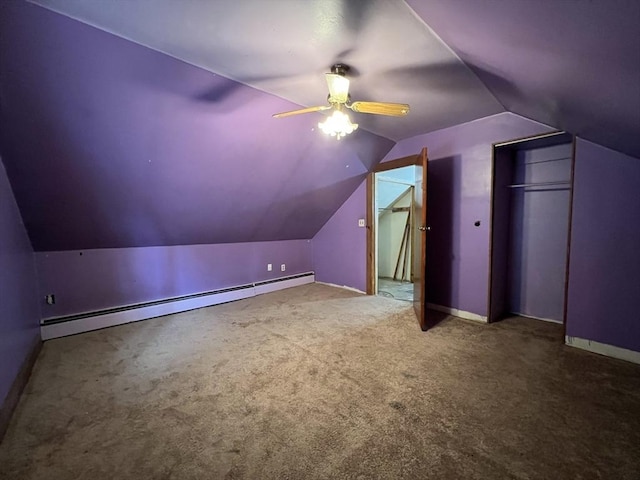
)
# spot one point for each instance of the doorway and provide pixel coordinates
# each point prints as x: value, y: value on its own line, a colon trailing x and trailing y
x: 530, y: 227
x: 396, y: 261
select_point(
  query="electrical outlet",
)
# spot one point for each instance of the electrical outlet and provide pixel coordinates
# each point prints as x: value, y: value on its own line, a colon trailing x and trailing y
x: 269, y: 267
x: 50, y: 299
x: 283, y: 267
x: 361, y: 222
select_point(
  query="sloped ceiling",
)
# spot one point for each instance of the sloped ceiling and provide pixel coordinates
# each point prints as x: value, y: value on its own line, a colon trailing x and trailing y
x: 574, y: 65
x: 111, y: 144
x: 149, y: 122
x: 284, y: 47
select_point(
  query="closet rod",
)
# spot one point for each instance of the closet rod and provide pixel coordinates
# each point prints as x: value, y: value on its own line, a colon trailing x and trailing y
x: 545, y: 161
x: 539, y: 184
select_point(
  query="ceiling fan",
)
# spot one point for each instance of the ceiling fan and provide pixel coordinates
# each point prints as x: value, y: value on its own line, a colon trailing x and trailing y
x: 339, y: 124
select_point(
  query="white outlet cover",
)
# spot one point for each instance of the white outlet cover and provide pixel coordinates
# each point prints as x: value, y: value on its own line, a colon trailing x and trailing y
x: 361, y: 222
x: 283, y: 267
x: 269, y: 267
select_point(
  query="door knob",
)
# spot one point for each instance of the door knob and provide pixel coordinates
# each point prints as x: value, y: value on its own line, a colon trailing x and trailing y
x: 422, y: 228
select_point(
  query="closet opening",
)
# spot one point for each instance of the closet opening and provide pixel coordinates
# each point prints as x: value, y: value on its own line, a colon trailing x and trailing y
x: 530, y: 227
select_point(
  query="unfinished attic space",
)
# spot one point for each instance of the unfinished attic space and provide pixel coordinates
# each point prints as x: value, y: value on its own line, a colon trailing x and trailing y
x: 395, y: 191
x: 319, y: 240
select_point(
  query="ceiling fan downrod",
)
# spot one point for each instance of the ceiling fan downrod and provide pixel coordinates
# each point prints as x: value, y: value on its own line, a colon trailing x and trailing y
x: 340, y: 69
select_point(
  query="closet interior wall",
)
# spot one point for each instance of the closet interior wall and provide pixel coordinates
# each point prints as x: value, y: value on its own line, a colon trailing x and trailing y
x: 540, y: 195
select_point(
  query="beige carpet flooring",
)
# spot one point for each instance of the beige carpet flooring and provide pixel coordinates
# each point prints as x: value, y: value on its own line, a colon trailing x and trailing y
x: 317, y: 382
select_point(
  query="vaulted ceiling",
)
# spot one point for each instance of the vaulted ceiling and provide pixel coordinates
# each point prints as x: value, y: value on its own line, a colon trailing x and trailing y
x: 148, y: 122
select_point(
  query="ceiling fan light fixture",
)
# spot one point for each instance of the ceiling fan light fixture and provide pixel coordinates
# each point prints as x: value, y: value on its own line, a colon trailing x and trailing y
x: 338, y: 87
x: 338, y: 125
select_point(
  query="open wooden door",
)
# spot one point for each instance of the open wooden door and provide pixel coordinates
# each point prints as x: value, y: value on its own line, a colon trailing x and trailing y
x: 420, y: 240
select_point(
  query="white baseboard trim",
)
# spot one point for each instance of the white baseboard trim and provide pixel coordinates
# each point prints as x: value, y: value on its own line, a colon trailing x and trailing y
x: 97, y: 322
x: 550, y: 320
x: 457, y: 313
x: 342, y: 286
x: 603, y: 349
x: 269, y: 287
x: 134, y: 314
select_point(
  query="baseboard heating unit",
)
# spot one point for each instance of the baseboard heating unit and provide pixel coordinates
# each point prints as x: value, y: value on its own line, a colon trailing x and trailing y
x: 85, y: 322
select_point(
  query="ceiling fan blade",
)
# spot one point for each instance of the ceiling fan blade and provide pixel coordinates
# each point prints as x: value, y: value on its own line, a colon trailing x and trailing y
x: 380, y: 108
x: 302, y: 110
x: 338, y: 87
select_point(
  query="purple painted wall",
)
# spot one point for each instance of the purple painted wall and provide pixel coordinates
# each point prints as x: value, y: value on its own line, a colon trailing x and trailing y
x: 109, y: 144
x: 339, y: 248
x: 604, y: 282
x: 459, y: 194
x: 89, y: 280
x: 459, y: 190
x: 19, y: 314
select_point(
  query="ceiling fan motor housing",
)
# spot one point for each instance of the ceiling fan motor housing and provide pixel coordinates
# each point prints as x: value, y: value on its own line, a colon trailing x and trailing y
x: 340, y: 69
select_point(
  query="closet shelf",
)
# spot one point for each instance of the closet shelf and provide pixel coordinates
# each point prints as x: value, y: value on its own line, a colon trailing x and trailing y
x: 538, y: 184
